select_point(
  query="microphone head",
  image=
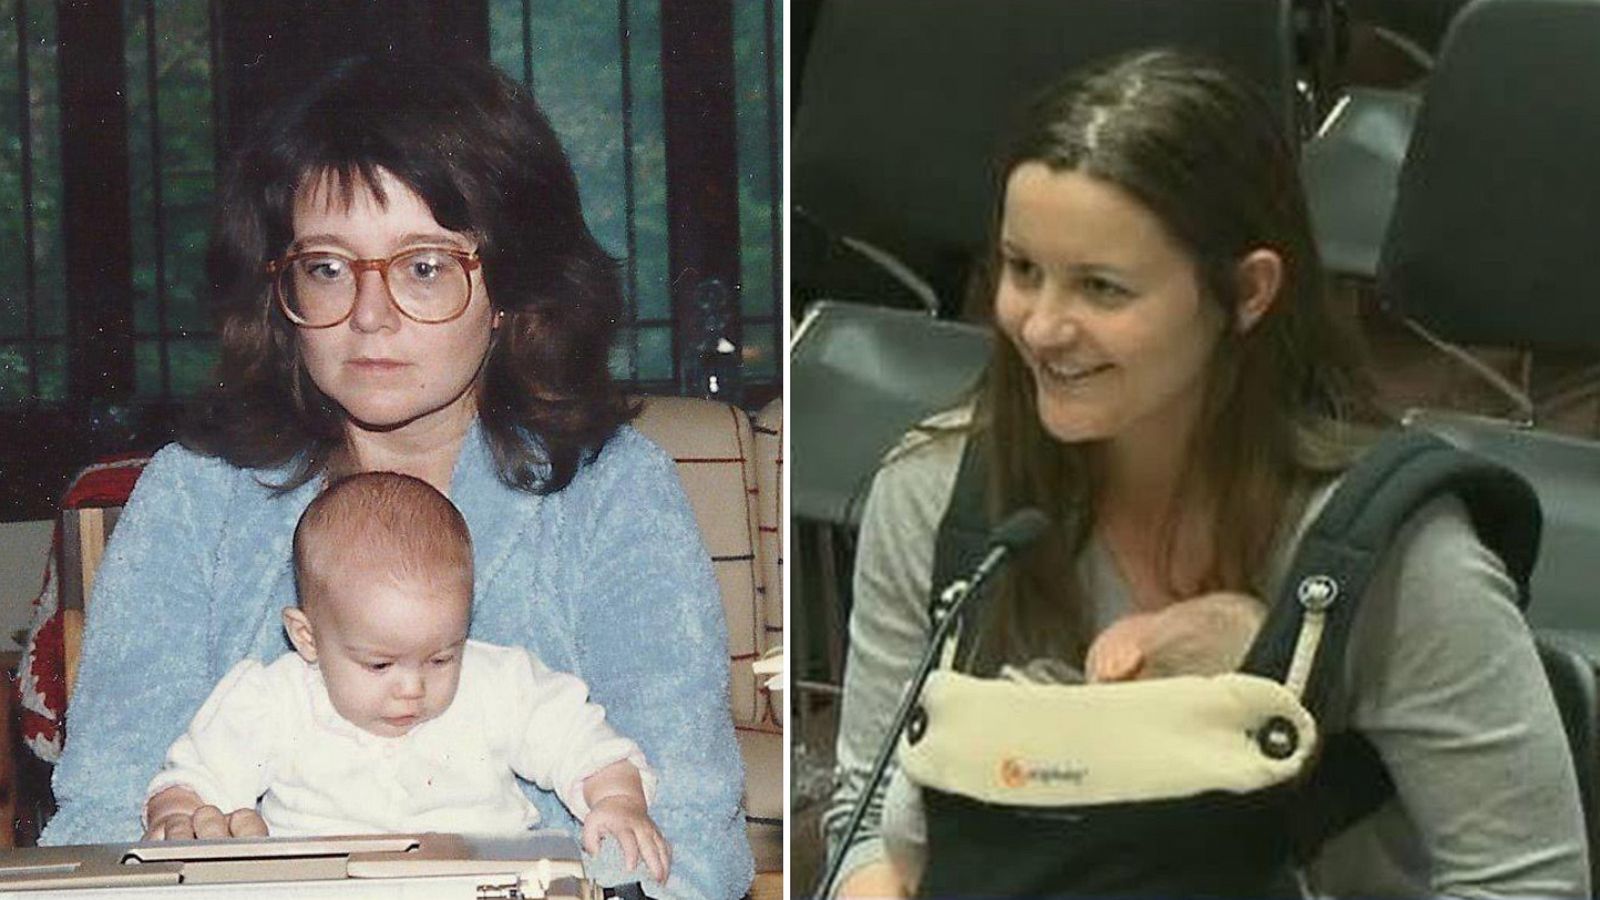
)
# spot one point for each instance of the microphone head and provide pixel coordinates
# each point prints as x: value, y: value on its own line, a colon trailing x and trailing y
x: 1019, y: 529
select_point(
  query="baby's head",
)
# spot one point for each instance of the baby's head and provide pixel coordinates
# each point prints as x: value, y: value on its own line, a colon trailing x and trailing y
x: 1205, y: 635
x: 383, y: 565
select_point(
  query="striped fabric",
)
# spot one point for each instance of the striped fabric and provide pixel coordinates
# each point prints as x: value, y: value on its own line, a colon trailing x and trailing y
x: 731, y: 473
x: 768, y: 428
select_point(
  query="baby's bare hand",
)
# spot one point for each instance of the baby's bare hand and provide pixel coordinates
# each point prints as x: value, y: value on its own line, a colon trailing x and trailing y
x: 1118, y: 653
x: 624, y: 818
x: 1113, y: 661
x: 207, y: 822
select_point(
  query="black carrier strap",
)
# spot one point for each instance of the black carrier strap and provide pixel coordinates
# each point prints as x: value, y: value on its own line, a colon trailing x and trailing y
x: 964, y: 529
x: 1339, y: 552
x: 1341, y: 548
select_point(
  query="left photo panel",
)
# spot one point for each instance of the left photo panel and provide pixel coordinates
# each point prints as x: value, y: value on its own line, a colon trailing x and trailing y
x: 391, y: 427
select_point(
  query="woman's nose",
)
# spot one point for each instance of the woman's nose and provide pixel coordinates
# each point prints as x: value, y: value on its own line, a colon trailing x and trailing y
x: 373, y: 311
x: 1049, y: 324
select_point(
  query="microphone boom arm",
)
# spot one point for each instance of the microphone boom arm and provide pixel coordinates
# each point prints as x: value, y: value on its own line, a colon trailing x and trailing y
x: 1018, y: 530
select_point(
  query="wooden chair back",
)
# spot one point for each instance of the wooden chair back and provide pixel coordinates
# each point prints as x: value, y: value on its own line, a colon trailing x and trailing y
x: 83, y: 543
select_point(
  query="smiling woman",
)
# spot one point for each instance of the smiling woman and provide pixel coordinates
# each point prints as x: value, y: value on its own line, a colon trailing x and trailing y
x: 1104, y: 309
x: 1168, y: 386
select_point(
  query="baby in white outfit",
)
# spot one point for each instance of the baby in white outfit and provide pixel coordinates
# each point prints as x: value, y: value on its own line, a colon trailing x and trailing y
x: 386, y: 718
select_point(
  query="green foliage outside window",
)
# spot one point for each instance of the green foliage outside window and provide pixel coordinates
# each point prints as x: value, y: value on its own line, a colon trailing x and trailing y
x: 575, y: 60
x: 755, y: 27
x: 32, y: 336
x: 171, y: 317
x: 574, y: 65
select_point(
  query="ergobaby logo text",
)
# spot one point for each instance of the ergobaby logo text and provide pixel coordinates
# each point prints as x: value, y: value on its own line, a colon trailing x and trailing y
x: 1016, y: 773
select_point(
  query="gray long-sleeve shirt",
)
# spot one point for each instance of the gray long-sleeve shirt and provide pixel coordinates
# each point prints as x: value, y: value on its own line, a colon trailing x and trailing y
x: 1447, y: 686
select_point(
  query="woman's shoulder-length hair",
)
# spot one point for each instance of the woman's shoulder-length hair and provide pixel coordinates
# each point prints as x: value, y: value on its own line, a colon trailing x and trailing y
x: 1210, y: 158
x: 476, y: 148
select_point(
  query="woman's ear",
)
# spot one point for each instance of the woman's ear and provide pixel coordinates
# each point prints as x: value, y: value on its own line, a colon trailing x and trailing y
x: 1260, y: 277
x: 301, y: 634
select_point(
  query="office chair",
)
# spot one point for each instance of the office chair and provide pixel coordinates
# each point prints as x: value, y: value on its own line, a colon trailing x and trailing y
x: 860, y: 377
x: 1352, y: 163
x: 1498, y: 213
x: 1494, y: 242
x: 1350, y: 171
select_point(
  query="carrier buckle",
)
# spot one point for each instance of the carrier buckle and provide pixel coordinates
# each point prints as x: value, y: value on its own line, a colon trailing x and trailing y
x: 1278, y: 738
x: 1317, y: 592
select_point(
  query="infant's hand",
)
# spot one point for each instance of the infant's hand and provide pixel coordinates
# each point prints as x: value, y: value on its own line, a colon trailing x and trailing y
x: 1118, y: 653
x: 624, y: 818
x: 207, y: 822
x: 1204, y: 635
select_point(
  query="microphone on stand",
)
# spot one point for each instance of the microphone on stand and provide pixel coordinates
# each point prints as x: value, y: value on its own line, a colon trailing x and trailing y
x: 1018, y: 530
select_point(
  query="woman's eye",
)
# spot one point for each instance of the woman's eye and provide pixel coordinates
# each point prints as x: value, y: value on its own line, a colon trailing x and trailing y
x: 1102, y: 289
x: 323, y: 268
x: 427, y: 265
x: 1021, y: 270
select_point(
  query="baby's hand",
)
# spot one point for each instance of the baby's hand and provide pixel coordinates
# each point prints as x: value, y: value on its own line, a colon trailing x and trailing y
x: 624, y: 818
x: 207, y: 822
x: 1118, y: 653
x: 177, y: 813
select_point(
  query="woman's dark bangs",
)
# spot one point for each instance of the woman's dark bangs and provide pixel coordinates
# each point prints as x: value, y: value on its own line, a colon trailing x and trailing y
x: 435, y: 184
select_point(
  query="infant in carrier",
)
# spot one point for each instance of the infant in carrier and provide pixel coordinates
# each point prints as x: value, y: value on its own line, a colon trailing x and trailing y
x: 1205, y: 635
x: 386, y: 717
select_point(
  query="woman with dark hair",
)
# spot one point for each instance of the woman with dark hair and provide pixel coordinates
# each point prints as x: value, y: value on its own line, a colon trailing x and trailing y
x: 1168, y: 386
x: 406, y: 283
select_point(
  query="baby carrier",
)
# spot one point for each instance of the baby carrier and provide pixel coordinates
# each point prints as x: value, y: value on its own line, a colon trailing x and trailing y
x: 1189, y: 786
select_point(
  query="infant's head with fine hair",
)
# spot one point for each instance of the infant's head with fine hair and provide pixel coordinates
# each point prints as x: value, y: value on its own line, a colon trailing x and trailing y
x: 381, y: 525
x: 383, y: 567
x: 1205, y: 635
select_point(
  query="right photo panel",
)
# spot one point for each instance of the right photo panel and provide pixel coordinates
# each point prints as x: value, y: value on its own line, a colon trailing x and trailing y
x: 1194, y: 448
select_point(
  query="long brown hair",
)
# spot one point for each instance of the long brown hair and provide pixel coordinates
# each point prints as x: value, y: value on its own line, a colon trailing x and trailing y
x: 475, y: 146
x: 1210, y: 159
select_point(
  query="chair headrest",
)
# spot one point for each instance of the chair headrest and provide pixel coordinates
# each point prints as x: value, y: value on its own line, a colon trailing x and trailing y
x: 1495, y: 236
x: 860, y: 376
